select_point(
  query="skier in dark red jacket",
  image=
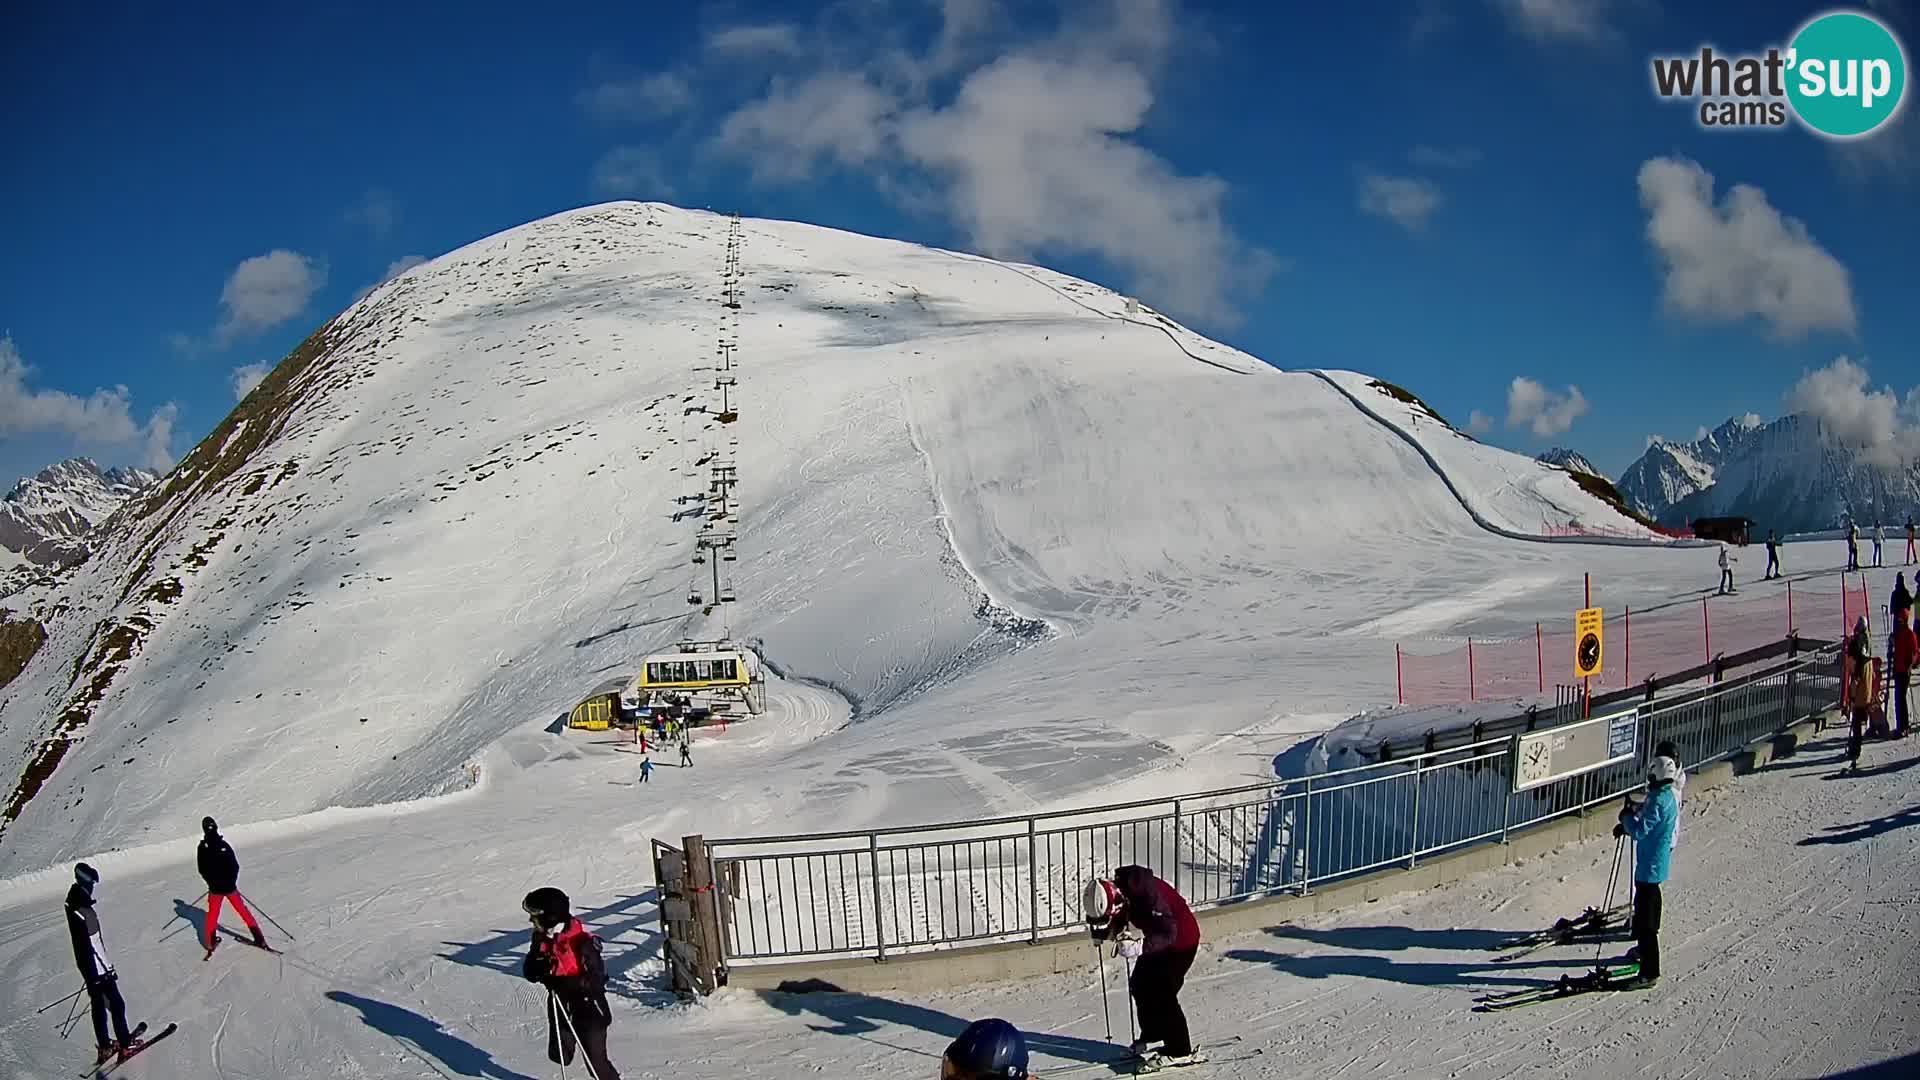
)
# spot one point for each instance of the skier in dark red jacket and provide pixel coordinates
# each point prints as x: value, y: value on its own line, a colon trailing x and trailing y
x: 1170, y: 939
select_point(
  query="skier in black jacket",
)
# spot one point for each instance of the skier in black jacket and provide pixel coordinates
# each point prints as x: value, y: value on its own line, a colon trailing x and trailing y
x: 220, y: 869
x: 1900, y: 597
x: 103, y: 984
x: 566, y: 959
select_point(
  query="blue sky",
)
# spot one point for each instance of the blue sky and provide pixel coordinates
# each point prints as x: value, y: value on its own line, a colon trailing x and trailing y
x: 1453, y: 196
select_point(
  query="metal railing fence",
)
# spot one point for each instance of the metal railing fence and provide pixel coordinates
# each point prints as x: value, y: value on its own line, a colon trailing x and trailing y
x: 883, y: 891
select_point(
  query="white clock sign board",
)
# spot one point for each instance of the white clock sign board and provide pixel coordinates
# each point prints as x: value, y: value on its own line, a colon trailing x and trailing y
x: 1541, y: 757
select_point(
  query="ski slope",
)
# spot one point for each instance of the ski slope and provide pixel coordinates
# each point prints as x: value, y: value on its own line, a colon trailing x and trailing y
x: 1789, y: 946
x: 1000, y: 515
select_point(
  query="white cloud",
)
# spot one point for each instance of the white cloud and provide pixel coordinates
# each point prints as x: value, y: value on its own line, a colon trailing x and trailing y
x: 265, y: 291
x: 377, y: 212
x: 839, y: 117
x: 1891, y: 153
x: 1479, y: 423
x: 400, y: 266
x: 1560, y: 20
x: 1742, y: 258
x: 770, y: 39
x: 630, y: 171
x: 1028, y: 141
x: 1656, y: 440
x: 1406, y: 201
x: 102, y: 419
x: 1700, y: 433
x: 1881, y: 427
x: 645, y: 98
x: 247, y: 376
x: 1544, y: 412
x: 1444, y: 157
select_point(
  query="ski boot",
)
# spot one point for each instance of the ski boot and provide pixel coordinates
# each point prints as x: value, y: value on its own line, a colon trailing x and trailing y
x: 1154, y: 1061
x: 260, y: 940
x: 212, y: 944
x: 105, y: 1054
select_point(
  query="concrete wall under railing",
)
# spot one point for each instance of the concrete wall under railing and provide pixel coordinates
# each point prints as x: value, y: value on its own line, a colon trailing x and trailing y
x: 924, y: 972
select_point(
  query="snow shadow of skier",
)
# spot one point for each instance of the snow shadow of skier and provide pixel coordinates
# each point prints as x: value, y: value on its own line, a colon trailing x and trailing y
x: 1866, y: 830
x: 627, y: 927
x: 192, y: 915
x: 1360, y: 964
x: 426, y: 1038
x: 858, y: 1015
x: 1899, y: 1068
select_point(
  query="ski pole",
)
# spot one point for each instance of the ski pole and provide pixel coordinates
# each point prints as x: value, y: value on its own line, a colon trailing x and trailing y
x: 1613, y: 879
x: 586, y: 1059
x: 1131, y: 1037
x: 73, y: 1018
x: 1100, y: 964
x: 62, y: 1001
x: 553, y: 1023
x: 269, y: 918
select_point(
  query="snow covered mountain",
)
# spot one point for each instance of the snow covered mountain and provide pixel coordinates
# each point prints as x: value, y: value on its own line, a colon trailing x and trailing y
x: 1007, y: 517
x: 1787, y: 475
x: 1571, y: 460
x: 46, y: 517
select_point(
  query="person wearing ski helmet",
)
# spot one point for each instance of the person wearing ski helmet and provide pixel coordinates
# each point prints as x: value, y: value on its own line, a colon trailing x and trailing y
x: 1859, y: 690
x: 96, y: 970
x: 566, y: 959
x: 1651, y: 823
x: 987, y: 1050
x: 1163, y: 955
x: 220, y: 869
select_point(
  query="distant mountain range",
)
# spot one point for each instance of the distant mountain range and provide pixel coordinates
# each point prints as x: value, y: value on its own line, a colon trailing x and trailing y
x: 1788, y: 475
x: 1570, y: 460
x: 47, y: 519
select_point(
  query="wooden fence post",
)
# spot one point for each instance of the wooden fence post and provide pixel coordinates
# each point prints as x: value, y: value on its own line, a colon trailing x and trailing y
x: 710, y: 971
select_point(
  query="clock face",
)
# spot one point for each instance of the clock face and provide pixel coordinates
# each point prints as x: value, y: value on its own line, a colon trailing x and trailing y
x: 1536, y: 763
x: 1589, y: 652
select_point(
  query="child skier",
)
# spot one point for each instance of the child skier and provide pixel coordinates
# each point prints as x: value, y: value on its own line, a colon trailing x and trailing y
x: 1773, y: 556
x: 987, y: 1050
x: 686, y: 752
x: 102, y: 983
x: 566, y: 960
x: 220, y: 869
x: 1651, y: 824
x: 646, y: 769
x: 1172, y: 938
x: 1726, y: 571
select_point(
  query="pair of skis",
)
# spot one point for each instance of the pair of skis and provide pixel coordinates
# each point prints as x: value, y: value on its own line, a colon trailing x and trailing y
x: 139, y: 1046
x: 1621, y: 977
x: 1144, y: 1064
x: 1589, y: 923
x: 262, y: 946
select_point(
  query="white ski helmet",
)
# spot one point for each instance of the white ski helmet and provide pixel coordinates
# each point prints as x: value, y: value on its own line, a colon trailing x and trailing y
x: 1102, y: 901
x: 1664, y: 770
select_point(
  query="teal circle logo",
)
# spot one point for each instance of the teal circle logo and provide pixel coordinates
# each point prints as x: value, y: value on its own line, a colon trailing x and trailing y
x: 1847, y: 74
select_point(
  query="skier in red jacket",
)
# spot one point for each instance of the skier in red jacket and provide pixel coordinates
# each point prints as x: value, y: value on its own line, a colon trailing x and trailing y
x: 1171, y: 938
x: 566, y: 959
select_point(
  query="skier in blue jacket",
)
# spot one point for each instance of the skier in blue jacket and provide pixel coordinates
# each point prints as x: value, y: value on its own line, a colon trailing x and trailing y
x: 1651, y: 824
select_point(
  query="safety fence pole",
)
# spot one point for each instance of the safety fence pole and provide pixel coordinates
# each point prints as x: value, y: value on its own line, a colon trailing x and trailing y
x: 1470, y: 690
x: 1539, y: 658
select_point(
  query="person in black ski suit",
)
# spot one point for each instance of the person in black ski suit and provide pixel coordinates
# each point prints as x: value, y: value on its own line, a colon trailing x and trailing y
x: 1773, y: 557
x: 566, y: 959
x: 1900, y: 599
x: 220, y: 869
x: 96, y: 971
x: 686, y: 752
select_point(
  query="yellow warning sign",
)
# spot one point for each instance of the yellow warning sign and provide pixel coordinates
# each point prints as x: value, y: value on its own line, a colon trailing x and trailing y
x: 1589, y: 642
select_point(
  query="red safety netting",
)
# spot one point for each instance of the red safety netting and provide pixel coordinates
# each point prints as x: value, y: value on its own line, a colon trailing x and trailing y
x: 1669, y: 637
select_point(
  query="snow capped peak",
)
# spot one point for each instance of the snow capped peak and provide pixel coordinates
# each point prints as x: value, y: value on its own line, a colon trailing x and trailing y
x: 47, y: 516
x: 1790, y: 474
x: 1570, y: 460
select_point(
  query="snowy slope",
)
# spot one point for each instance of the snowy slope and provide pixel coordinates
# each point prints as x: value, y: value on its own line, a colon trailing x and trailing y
x: 46, y: 517
x: 1001, y: 516
x: 1508, y: 491
x: 1788, y: 945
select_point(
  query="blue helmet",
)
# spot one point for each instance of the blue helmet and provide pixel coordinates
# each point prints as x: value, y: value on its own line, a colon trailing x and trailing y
x: 987, y: 1050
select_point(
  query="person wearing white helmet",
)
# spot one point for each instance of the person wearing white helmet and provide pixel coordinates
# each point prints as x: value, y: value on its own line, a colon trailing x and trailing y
x: 1651, y: 823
